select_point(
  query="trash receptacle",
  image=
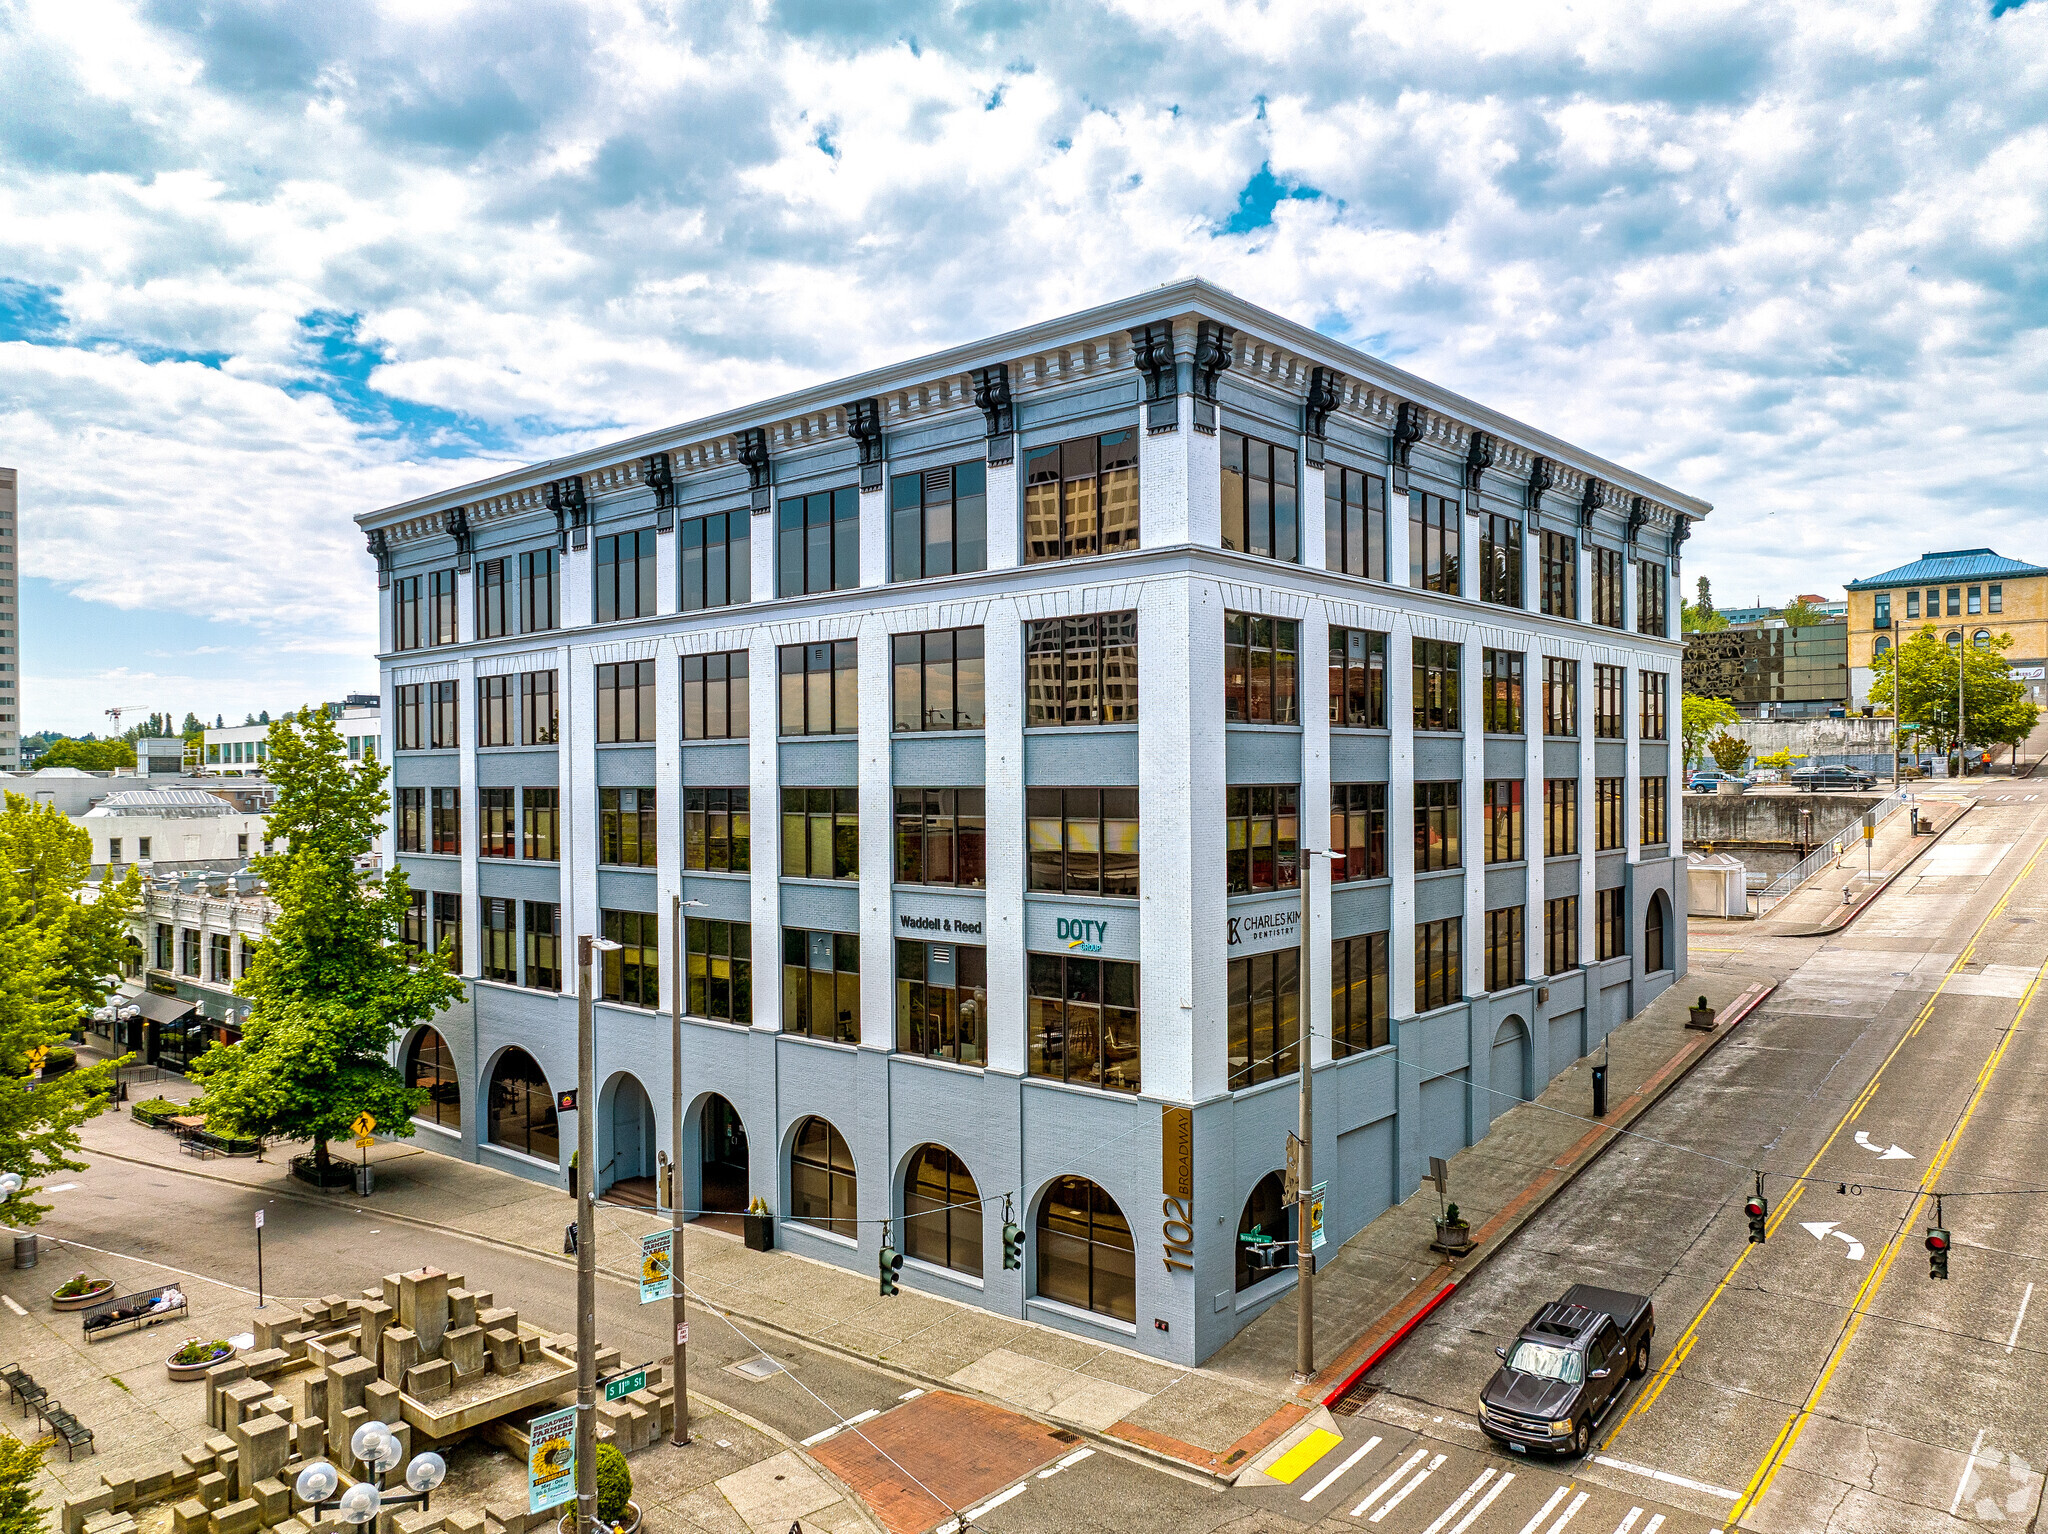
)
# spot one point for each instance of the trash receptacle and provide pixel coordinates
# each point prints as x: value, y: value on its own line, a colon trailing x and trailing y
x: 366, y: 1179
x: 25, y: 1250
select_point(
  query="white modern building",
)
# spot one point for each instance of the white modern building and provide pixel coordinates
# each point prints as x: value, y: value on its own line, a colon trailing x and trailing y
x: 184, y: 827
x: 243, y: 748
x: 982, y: 708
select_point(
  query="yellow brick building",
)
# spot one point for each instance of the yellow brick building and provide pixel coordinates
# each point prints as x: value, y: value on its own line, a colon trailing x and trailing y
x: 1972, y: 594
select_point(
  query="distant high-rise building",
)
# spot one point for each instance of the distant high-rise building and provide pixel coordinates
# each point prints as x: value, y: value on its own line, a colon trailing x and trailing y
x: 10, y: 628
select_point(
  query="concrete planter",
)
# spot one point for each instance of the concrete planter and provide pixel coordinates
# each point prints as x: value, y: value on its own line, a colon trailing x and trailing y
x: 759, y: 1230
x: 1701, y: 1018
x: 81, y: 1301
x: 1730, y: 788
x: 1453, y: 1237
x: 181, y: 1373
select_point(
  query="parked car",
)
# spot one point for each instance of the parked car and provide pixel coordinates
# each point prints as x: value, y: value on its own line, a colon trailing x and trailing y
x: 1707, y: 780
x: 1831, y: 775
x: 1766, y: 775
x: 1566, y: 1371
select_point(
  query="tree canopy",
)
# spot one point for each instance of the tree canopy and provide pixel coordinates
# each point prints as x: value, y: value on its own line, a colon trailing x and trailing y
x: 90, y: 755
x: 330, y: 986
x: 1699, y: 616
x: 1699, y: 718
x: 1922, y: 669
x: 1802, y: 614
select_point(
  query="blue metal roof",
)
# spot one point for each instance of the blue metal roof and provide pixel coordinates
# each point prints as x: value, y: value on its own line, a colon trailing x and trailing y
x: 1950, y: 565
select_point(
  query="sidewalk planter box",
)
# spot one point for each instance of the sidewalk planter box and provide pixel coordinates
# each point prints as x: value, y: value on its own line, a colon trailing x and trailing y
x: 1701, y: 1017
x: 760, y: 1231
x: 185, y: 1372
x: 84, y: 1299
x: 340, y: 1174
x: 1453, y: 1237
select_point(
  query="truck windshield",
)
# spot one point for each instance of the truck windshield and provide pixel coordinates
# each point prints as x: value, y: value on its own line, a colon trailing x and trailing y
x: 1545, y: 1362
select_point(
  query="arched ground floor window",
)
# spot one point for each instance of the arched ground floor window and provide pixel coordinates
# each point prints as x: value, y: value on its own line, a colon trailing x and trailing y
x: 522, y: 1108
x: 1085, y: 1254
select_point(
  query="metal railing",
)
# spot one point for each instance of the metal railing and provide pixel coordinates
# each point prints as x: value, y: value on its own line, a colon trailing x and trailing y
x: 1828, y: 851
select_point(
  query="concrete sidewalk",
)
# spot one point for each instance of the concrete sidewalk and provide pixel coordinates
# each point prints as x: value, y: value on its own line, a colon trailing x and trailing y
x: 1212, y: 1418
x: 1818, y: 908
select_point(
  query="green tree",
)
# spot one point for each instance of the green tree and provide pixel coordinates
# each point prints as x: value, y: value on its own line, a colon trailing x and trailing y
x: 1697, y: 719
x: 330, y: 986
x: 192, y: 726
x: 20, y: 1513
x: 91, y: 755
x: 52, y: 858
x: 1921, y: 672
x: 1730, y: 752
x: 1802, y: 614
x: 1699, y: 617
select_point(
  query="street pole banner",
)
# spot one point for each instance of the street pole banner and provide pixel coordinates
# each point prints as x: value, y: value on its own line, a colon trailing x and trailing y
x: 1315, y: 1216
x: 551, y: 1460
x: 657, y: 1266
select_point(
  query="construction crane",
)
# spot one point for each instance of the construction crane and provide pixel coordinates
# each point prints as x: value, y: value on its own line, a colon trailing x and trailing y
x: 119, y: 709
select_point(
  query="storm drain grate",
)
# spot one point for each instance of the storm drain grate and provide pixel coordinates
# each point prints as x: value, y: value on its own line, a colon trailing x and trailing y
x: 759, y: 1367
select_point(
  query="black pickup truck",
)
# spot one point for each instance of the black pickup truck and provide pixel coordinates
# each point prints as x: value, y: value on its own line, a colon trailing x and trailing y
x: 1568, y: 1367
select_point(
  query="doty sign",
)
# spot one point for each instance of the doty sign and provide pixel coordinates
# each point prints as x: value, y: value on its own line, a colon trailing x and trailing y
x: 1083, y: 934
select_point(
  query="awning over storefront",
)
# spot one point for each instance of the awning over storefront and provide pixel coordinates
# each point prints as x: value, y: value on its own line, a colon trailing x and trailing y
x: 165, y: 1009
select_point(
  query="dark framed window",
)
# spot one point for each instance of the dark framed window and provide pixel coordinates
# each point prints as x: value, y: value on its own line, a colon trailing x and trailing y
x: 820, y: 688
x: 1438, y: 843
x: 1881, y: 615
x: 409, y: 823
x: 444, y: 715
x: 938, y: 522
x: 824, y: 1190
x: 430, y: 1068
x: 1996, y: 599
x: 717, y: 560
x: 1504, y: 966
x: 494, y: 711
x: 501, y: 940
x: 625, y: 701
x: 1264, y: 1011
x: 1081, y: 670
x: 413, y: 929
x: 1358, y: 829
x: 1655, y: 689
x: 541, y: 826
x: 539, y: 709
x: 942, y: 1210
x: 1500, y: 560
x: 1955, y: 594
x: 821, y: 984
x: 1652, y: 597
x: 448, y: 927
x: 493, y: 601
x: 821, y: 833
x: 632, y: 971
x: 1434, y: 542
x: 1083, y: 1021
x: 408, y: 605
x: 1081, y: 497
x: 445, y: 811
x: 1500, y: 674
x: 625, y: 575
x: 1975, y: 604
x: 1610, y: 715
x: 1260, y: 669
x: 540, y: 590
x: 817, y: 542
x: 1439, y: 963
x: 1913, y: 604
x: 1354, y: 522
x: 497, y: 823
x: 1264, y: 1218
x: 719, y: 970
x: 163, y: 945
x: 1654, y: 955
x: 1610, y: 922
x: 1503, y: 820
x: 1560, y: 576
x: 1358, y: 679
x: 1560, y: 817
x: 715, y: 696
x: 626, y: 835
x: 1607, y: 589
x: 938, y: 679
x: 717, y: 830
x: 1607, y: 814
x: 942, y: 837
x: 1435, y: 665
x: 521, y: 1115
x: 1262, y: 832
x: 1655, y: 797
x: 1261, y: 498
x: 942, y: 1001
x: 1086, y: 1257
x: 1083, y: 841
x: 219, y: 958
x: 1560, y: 696
x: 1361, y: 997
x: 442, y: 626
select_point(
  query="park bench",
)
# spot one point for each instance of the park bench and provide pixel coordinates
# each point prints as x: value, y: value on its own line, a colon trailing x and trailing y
x: 66, y: 1427
x: 21, y: 1386
x: 131, y: 1312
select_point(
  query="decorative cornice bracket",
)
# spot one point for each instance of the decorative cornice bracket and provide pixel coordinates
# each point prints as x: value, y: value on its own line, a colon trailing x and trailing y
x: 1152, y: 356
x: 1588, y: 504
x: 992, y: 395
x: 1215, y: 350
x: 457, y: 523
x: 1325, y: 394
x: 657, y: 472
x: 572, y: 513
x: 380, y: 550
x: 750, y: 447
x: 1410, y: 421
x: 864, y: 425
x: 1479, y: 456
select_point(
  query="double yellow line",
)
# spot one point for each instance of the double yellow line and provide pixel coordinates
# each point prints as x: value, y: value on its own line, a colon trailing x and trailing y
x: 1676, y: 1358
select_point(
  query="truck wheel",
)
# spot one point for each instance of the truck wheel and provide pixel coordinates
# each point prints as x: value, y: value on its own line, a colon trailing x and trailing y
x: 1582, y: 1440
x: 1641, y: 1364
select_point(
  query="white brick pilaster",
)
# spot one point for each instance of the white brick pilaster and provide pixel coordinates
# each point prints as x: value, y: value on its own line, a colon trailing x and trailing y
x: 764, y: 775
x: 1003, y: 775
x: 1401, y: 814
x: 877, y: 948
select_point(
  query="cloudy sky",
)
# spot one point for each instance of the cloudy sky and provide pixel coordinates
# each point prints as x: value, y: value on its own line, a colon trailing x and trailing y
x: 264, y: 266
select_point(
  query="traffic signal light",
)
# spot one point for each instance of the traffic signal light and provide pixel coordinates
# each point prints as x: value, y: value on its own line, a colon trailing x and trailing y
x: 1013, y: 1246
x: 892, y: 1264
x: 1756, y: 1209
x: 1937, y: 1252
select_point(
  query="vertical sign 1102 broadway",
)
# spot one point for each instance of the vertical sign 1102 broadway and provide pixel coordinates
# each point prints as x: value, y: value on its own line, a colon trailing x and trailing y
x: 1177, y: 1183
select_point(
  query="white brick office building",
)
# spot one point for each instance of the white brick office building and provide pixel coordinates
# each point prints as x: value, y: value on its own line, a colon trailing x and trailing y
x: 991, y: 651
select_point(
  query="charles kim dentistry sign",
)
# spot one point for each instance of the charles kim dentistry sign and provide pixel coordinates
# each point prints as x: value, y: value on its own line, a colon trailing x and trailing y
x: 1261, y: 926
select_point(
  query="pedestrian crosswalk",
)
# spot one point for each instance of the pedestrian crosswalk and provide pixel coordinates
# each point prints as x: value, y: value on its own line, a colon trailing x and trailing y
x: 1395, y: 1482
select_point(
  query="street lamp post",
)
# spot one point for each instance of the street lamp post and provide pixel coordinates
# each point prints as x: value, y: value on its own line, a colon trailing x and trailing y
x: 681, y: 1371
x: 586, y: 1239
x: 1304, y: 1253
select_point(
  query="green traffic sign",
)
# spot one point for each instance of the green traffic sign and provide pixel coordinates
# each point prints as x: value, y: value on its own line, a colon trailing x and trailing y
x: 625, y: 1384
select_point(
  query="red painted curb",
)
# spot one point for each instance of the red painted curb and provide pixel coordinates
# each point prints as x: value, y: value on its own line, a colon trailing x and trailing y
x: 1389, y: 1345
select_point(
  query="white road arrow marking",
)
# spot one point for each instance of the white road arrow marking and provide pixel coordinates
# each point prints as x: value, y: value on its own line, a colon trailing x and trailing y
x: 1822, y: 1229
x: 1894, y: 1154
